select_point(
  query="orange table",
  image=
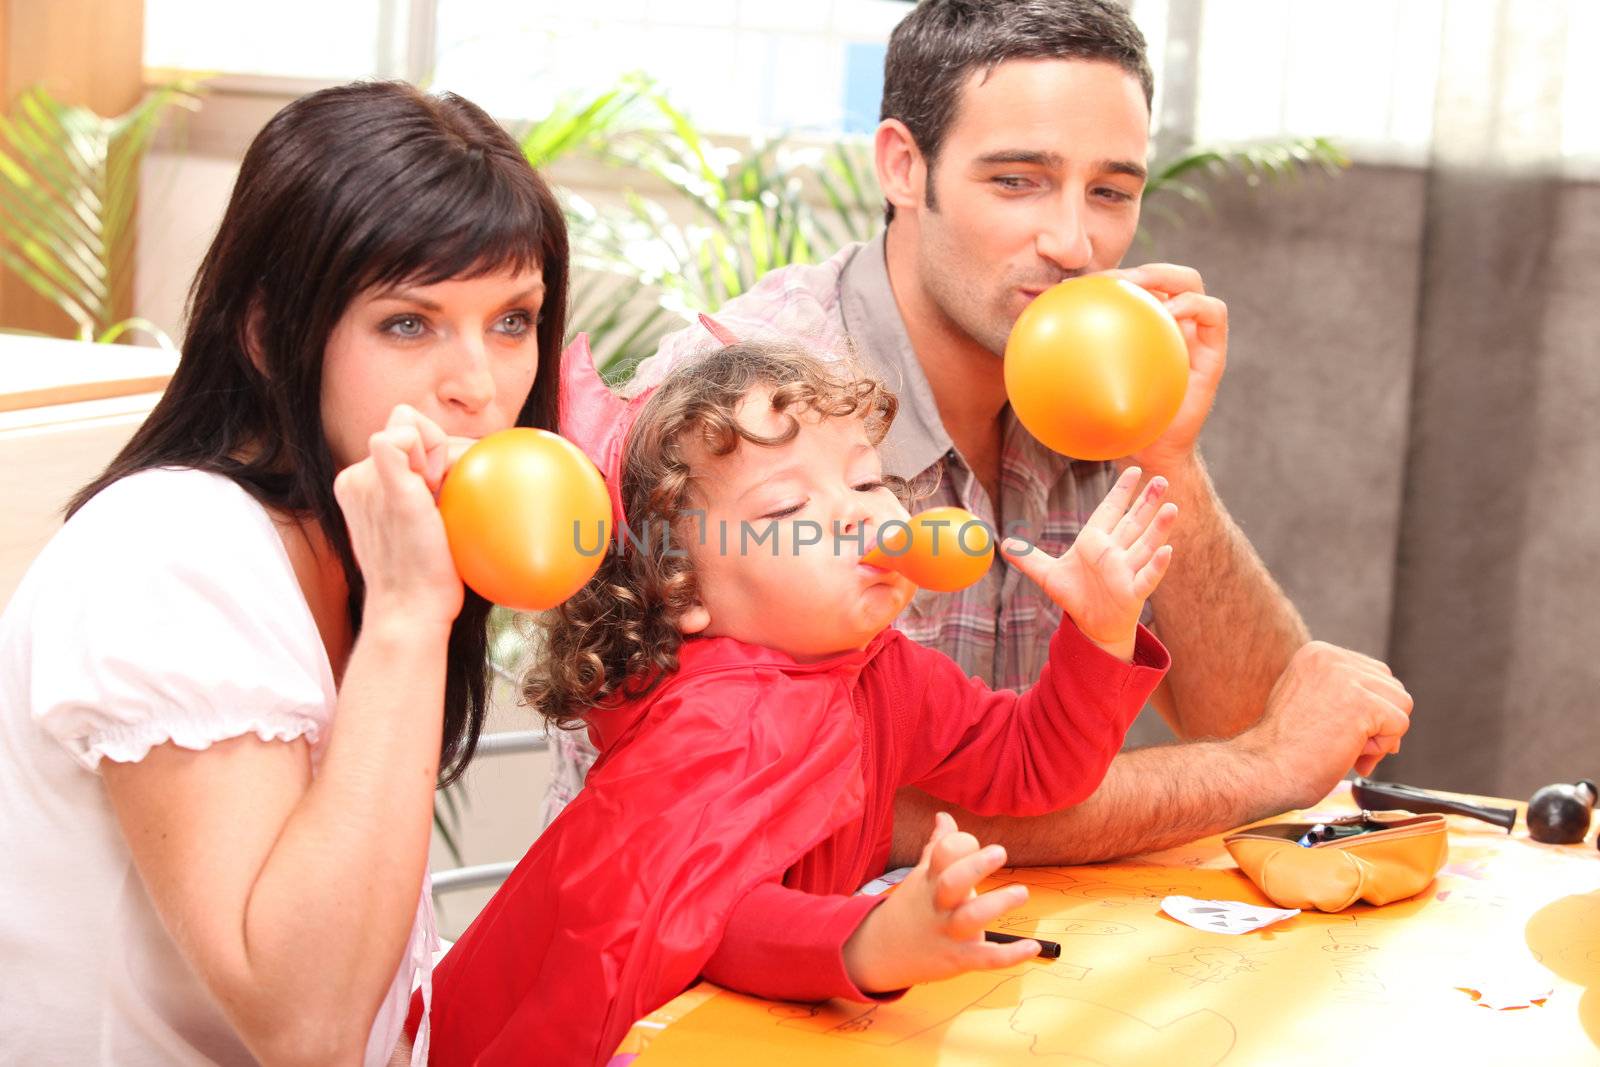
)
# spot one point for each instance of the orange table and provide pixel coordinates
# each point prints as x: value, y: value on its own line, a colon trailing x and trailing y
x: 1133, y: 986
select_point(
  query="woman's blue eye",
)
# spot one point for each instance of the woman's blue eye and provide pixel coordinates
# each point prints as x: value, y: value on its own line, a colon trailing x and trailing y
x: 404, y: 326
x: 516, y: 324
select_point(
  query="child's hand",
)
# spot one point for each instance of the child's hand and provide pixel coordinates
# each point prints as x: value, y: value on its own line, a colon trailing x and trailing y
x: 1117, y: 561
x: 931, y: 927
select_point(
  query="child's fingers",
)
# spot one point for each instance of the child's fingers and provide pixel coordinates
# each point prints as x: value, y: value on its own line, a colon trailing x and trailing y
x: 943, y: 825
x: 950, y: 849
x: 1137, y: 521
x: 969, y: 919
x: 958, y: 880
x: 1034, y: 562
x: 988, y: 956
x: 1115, y: 505
x: 1149, y: 576
x: 1153, y: 536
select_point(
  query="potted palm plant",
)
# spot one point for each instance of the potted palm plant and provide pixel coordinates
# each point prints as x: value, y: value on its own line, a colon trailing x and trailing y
x: 69, y: 181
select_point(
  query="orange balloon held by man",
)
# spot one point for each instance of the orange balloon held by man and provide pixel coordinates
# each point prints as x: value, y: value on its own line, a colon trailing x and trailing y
x: 527, y: 516
x: 1096, y: 367
x: 944, y: 549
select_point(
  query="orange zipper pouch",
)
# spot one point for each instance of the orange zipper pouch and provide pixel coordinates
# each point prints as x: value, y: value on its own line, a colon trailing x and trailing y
x: 1376, y: 856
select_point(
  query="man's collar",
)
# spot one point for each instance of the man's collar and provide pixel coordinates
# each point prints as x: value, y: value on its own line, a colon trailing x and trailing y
x: 917, y: 439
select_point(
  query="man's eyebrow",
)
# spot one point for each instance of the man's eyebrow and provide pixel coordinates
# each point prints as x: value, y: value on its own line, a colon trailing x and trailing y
x: 1124, y: 166
x: 1037, y: 158
x: 1030, y: 156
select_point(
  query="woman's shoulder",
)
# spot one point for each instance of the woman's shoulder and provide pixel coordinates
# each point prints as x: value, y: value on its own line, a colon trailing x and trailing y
x: 142, y: 494
x: 165, y: 609
x: 153, y: 531
x: 172, y: 512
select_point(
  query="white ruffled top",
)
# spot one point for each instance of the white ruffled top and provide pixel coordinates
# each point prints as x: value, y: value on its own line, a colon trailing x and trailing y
x: 165, y: 610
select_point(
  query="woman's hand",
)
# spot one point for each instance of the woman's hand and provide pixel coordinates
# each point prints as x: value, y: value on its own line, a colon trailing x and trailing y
x: 931, y: 927
x: 390, y: 506
x: 1116, y: 562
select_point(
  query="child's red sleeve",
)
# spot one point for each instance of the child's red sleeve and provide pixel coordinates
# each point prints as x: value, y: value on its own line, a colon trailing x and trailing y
x: 1001, y: 753
x: 786, y: 944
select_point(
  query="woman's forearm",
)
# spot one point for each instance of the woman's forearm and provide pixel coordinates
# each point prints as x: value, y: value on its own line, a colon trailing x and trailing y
x: 331, y: 911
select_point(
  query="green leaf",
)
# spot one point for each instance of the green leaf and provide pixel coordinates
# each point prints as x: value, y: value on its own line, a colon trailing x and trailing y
x: 447, y: 826
x: 68, y: 190
x: 52, y: 180
x: 1275, y: 160
x: 134, y: 322
x: 45, y: 288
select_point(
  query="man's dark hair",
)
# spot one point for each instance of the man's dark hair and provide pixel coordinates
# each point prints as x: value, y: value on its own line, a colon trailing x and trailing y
x: 935, y: 49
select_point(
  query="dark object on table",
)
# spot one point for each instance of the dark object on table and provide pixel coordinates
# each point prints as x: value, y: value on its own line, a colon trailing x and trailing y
x: 1559, y: 814
x: 1332, y: 831
x: 1379, y: 796
x: 1048, y: 950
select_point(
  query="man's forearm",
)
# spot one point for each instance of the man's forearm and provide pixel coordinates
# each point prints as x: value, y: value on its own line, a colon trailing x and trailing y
x: 1230, y: 628
x: 1152, y: 798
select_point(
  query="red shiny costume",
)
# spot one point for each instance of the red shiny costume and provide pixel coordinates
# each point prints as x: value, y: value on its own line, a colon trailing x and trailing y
x: 732, y: 812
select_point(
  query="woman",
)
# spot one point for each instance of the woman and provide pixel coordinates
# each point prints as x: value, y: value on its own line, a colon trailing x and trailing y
x: 231, y: 683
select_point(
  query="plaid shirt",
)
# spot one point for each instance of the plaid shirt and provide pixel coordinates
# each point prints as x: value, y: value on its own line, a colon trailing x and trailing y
x: 997, y: 630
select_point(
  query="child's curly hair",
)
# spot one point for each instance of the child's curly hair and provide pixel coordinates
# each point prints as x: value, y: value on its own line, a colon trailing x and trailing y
x: 617, y: 637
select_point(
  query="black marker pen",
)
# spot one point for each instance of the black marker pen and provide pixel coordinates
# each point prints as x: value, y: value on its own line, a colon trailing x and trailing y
x: 1049, y: 950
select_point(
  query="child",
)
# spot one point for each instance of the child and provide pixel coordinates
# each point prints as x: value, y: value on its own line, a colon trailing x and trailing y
x: 755, y: 714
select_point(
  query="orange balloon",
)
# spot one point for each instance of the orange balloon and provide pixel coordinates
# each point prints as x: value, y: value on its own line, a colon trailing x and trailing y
x: 527, y: 516
x: 942, y: 548
x: 1096, y: 367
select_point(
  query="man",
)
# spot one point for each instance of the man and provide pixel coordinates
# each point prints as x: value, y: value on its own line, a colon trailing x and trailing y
x: 1012, y: 156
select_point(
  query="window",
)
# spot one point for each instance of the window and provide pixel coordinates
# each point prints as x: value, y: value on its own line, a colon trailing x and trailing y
x: 312, y: 39
x: 1292, y: 68
x: 1388, y: 81
x: 735, y: 66
x: 1235, y: 70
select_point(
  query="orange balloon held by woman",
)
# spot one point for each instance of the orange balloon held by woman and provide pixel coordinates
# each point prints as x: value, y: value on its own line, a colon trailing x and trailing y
x: 1096, y: 367
x: 942, y: 548
x: 527, y: 516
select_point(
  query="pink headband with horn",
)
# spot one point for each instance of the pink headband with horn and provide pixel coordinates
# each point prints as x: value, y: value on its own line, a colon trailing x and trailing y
x: 597, y: 420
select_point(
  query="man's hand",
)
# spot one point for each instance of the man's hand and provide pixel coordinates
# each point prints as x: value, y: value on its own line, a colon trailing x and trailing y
x: 1333, y: 709
x: 1204, y: 322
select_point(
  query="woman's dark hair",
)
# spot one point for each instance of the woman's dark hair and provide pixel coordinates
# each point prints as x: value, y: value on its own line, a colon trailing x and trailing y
x: 617, y: 638
x: 364, y: 185
x: 935, y: 49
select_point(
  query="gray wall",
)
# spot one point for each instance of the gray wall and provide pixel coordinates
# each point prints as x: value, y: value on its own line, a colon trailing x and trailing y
x: 1404, y: 434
